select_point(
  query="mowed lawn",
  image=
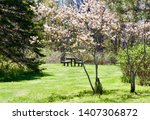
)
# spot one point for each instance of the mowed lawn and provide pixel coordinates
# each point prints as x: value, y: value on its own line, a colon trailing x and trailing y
x: 70, y: 84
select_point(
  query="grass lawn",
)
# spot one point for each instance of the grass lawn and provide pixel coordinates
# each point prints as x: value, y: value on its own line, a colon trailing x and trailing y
x: 70, y: 84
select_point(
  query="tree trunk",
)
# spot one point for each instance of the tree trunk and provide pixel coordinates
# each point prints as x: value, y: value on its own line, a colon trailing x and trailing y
x: 62, y: 50
x: 116, y: 44
x: 88, y: 77
x: 96, y: 70
x: 98, y: 85
x: 132, y: 78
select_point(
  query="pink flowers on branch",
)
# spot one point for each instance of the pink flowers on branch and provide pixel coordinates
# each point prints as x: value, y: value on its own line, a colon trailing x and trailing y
x: 78, y: 25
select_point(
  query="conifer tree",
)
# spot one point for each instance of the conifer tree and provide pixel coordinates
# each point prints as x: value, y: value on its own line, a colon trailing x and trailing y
x: 20, y: 33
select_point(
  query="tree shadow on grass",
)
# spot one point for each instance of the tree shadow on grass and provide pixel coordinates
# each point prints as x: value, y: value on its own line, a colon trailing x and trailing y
x: 124, y: 95
x: 109, y: 96
x: 23, y: 76
x: 57, y: 97
x: 116, y: 96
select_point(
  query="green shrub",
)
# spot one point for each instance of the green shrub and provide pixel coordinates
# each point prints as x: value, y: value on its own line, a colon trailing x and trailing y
x: 10, y: 71
x: 53, y: 57
x: 109, y: 58
x: 144, y: 70
x: 136, y: 54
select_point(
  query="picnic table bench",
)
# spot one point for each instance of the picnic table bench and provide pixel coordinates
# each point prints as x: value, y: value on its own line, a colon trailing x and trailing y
x: 79, y: 62
x: 65, y: 62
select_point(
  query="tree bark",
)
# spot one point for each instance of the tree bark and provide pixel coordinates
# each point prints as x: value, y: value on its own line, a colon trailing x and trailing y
x: 96, y: 70
x: 62, y: 50
x: 88, y: 77
x: 98, y: 85
x: 132, y: 77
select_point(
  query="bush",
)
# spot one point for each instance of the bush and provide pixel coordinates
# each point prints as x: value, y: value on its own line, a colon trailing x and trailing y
x: 144, y: 70
x: 108, y: 58
x: 10, y: 71
x: 136, y: 54
x: 53, y: 57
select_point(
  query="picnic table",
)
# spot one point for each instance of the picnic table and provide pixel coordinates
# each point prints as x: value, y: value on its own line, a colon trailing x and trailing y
x: 72, y: 61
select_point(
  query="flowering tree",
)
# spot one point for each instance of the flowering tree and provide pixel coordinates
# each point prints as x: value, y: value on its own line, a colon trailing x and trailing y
x: 133, y: 30
x: 80, y: 29
x: 132, y: 35
x: 96, y: 23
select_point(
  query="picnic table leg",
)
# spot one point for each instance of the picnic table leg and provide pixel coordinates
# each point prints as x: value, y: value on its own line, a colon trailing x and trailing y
x: 74, y: 63
x: 71, y: 62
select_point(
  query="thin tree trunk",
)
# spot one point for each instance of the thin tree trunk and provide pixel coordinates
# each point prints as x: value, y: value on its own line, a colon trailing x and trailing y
x: 98, y: 85
x: 96, y: 65
x: 96, y: 70
x: 116, y: 44
x: 88, y: 77
x: 63, y: 52
x: 132, y: 77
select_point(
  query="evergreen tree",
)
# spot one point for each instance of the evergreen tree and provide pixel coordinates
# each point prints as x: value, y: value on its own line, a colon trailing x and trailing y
x: 20, y: 33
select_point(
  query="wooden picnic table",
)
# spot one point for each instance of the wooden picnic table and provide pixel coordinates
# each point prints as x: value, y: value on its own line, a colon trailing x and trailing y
x: 72, y: 59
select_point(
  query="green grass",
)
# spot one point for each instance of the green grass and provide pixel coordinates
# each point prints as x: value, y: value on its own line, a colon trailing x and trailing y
x: 70, y: 84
